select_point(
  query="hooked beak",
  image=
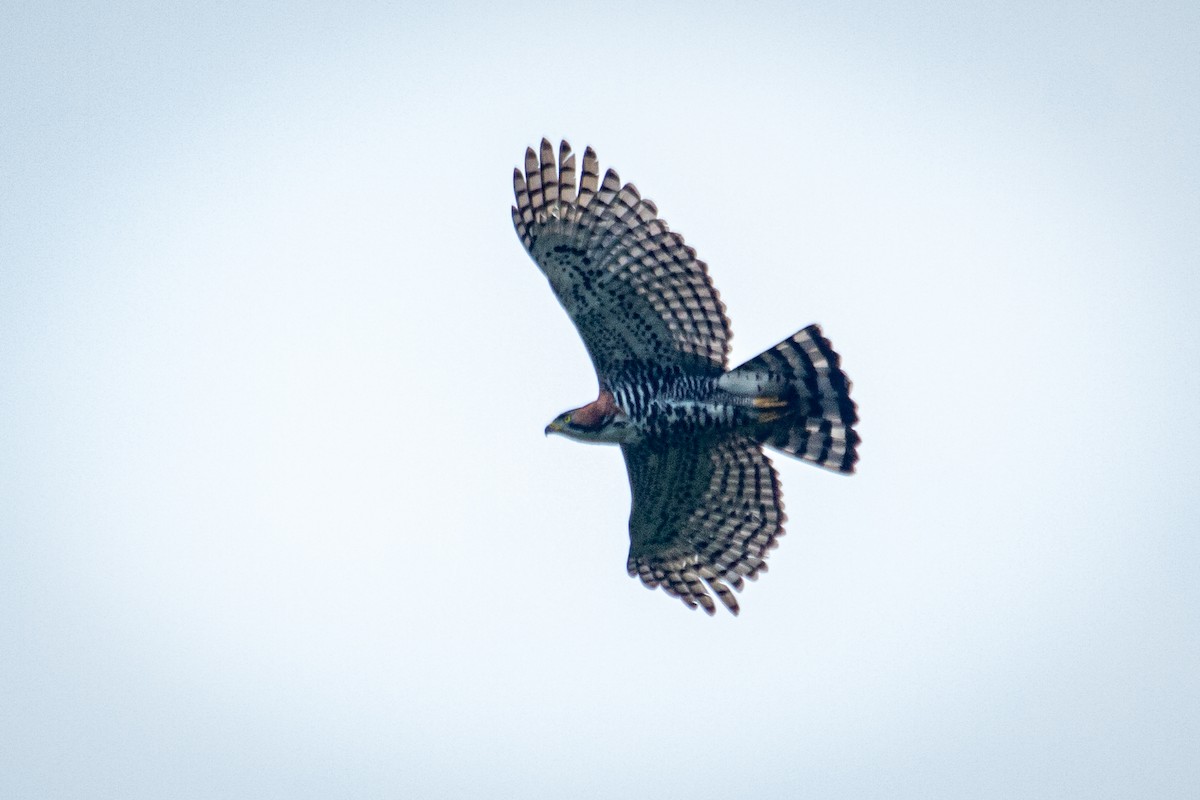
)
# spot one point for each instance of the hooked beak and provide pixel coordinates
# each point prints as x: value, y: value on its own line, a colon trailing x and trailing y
x: 554, y: 427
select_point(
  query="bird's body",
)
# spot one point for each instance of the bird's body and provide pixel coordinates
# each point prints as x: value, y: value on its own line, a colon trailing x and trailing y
x: 706, y: 501
x: 662, y: 404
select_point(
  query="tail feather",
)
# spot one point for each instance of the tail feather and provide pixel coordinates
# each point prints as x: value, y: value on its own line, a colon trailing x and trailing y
x: 804, y: 397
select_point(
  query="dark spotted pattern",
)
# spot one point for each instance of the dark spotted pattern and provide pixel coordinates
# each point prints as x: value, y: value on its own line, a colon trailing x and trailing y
x: 706, y: 502
x: 706, y: 511
x: 632, y: 287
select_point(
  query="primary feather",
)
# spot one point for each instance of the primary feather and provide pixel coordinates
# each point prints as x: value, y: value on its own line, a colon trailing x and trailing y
x: 706, y: 504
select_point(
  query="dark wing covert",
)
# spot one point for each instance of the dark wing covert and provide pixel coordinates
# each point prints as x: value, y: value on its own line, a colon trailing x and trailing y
x: 634, y: 290
x: 704, y: 511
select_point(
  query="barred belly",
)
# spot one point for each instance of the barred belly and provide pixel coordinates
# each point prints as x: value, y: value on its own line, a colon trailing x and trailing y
x: 670, y: 406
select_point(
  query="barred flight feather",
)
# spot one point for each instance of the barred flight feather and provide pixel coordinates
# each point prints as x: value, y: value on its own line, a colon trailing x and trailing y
x: 705, y: 514
x: 818, y: 425
x: 609, y: 258
x: 706, y: 504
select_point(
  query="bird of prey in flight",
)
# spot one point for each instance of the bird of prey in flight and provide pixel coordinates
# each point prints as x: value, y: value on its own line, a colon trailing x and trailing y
x: 706, y: 501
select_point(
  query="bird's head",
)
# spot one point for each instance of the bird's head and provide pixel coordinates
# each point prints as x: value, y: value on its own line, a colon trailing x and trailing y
x: 598, y: 421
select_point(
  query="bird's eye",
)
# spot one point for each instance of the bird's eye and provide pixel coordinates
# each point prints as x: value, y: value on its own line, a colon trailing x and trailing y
x: 566, y: 420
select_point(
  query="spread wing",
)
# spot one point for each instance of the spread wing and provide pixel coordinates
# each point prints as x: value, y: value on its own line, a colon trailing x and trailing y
x: 634, y: 290
x: 705, y: 512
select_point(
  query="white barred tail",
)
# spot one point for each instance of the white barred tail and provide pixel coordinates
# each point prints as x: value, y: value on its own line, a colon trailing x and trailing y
x: 804, y: 398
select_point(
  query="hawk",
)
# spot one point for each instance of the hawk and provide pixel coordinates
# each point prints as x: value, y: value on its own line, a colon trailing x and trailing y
x: 706, y: 504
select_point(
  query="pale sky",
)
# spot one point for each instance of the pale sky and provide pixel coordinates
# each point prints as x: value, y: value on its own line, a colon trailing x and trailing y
x: 277, y: 515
